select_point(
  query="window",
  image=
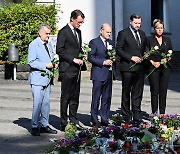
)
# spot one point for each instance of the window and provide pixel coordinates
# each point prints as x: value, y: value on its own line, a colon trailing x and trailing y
x: 159, y: 10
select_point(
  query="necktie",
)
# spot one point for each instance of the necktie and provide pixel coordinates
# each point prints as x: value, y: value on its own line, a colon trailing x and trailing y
x: 45, y: 45
x: 137, y: 38
x: 106, y: 43
x: 75, y: 34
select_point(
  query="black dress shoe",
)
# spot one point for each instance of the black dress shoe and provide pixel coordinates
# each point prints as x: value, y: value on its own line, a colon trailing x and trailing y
x: 137, y: 122
x: 48, y: 130
x: 78, y: 126
x: 104, y: 124
x: 127, y: 121
x: 76, y: 123
x: 96, y: 124
x: 35, y: 132
x: 62, y: 128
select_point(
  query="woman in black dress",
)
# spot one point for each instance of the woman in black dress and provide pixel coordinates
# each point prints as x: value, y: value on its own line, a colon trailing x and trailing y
x: 159, y: 78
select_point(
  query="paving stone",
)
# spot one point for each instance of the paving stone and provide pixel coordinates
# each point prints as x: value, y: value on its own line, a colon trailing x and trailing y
x: 16, y: 110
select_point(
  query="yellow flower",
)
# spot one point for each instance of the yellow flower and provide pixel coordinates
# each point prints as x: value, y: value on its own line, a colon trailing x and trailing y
x: 171, y: 129
x: 163, y: 135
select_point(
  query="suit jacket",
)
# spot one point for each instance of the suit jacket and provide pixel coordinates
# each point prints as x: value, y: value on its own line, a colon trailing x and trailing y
x: 96, y: 56
x: 126, y: 47
x: 68, y: 48
x: 37, y: 60
x: 164, y: 47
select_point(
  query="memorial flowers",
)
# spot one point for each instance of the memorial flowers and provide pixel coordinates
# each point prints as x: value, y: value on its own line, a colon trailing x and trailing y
x: 111, y: 53
x: 159, y: 135
x: 83, y: 55
x: 147, y: 54
x: 164, y: 60
x: 53, y: 71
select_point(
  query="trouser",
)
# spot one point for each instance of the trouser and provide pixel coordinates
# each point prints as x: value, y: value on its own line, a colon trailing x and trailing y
x: 101, y: 90
x: 41, y: 105
x: 158, y: 87
x: 132, y: 87
x: 70, y: 89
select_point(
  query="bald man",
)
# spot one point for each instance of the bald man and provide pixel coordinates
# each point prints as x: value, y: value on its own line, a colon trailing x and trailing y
x: 101, y: 76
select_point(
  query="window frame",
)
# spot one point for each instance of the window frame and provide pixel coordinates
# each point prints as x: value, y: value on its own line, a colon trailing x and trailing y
x: 165, y: 14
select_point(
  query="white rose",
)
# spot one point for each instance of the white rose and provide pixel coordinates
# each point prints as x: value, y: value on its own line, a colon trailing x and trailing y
x: 56, y: 57
x: 156, y: 118
x: 156, y: 48
x: 170, y: 51
x: 110, y: 47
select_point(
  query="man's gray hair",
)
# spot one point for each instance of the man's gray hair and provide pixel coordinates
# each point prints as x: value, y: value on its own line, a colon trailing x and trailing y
x: 41, y: 26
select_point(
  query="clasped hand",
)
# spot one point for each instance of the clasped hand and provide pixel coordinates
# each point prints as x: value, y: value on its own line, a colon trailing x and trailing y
x: 50, y: 65
x: 108, y: 62
x: 136, y: 59
x: 155, y: 64
x: 78, y: 61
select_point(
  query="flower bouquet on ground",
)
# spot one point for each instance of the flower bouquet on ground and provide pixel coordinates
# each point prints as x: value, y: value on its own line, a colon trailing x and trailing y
x: 157, y: 135
x: 164, y: 60
x: 147, y: 54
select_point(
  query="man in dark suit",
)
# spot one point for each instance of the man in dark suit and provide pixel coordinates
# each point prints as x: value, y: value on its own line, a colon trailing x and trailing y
x: 101, y: 75
x: 131, y: 45
x: 68, y: 48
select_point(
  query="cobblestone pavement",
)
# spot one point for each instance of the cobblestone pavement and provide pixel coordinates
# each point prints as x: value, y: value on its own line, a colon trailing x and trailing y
x: 16, y: 110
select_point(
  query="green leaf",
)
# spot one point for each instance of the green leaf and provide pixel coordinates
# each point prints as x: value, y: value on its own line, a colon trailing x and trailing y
x: 19, y: 25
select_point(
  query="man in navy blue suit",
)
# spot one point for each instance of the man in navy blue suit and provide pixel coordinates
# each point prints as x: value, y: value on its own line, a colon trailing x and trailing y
x: 101, y: 75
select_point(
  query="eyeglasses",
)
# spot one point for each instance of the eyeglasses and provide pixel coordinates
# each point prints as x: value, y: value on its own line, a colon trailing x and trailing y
x: 79, y: 22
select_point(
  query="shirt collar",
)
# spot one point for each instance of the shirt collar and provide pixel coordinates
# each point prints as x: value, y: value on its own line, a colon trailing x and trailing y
x: 103, y: 39
x: 72, y: 28
x: 132, y: 29
x: 43, y: 41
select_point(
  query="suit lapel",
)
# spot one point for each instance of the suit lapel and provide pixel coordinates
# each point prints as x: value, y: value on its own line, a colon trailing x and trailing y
x: 142, y: 38
x: 101, y: 43
x: 44, y: 50
x: 72, y: 34
x: 133, y: 38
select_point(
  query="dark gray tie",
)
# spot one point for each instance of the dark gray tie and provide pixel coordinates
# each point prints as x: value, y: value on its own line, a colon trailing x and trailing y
x: 45, y: 45
x: 75, y: 34
x: 137, y: 38
x: 106, y: 43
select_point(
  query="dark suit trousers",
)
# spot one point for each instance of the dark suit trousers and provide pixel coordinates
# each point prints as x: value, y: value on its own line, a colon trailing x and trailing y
x: 101, y: 90
x: 132, y: 86
x: 158, y: 87
x: 70, y: 89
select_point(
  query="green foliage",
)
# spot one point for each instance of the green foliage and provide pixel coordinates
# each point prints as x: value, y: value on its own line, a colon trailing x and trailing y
x: 117, y: 119
x: 19, y: 25
x: 70, y: 131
